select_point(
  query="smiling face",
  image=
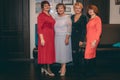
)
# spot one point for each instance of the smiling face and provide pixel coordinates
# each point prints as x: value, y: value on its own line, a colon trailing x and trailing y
x: 46, y: 7
x: 61, y: 9
x: 91, y: 12
x: 77, y: 9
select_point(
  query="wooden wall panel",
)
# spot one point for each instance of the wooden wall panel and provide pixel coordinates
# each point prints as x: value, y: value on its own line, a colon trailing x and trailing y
x: 14, y: 29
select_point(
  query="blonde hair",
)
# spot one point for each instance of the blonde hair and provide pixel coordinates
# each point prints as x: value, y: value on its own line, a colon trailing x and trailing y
x: 78, y: 4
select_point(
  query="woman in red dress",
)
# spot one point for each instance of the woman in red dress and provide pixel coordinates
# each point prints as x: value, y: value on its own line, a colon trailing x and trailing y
x: 94, y: 30
x: 46, y: 51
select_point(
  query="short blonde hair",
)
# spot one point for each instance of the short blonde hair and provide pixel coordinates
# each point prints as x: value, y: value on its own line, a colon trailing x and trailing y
x: 78, y: 4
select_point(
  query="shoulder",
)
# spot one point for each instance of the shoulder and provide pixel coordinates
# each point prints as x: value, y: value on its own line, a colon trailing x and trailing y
x: 67, y: 16
x: 72, y: 16
x: 56, y: 16
x: 41, y: 15
x: 83, y: 16
x: 98, y: 18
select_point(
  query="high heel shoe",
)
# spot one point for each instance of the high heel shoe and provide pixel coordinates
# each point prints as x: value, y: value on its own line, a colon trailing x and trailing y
x: 42, y: 70
x: 49, y: 73
x: 63, y: 73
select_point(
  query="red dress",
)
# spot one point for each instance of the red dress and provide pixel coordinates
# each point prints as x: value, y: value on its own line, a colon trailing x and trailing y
x: 94, y: 30
x: 46, y: 53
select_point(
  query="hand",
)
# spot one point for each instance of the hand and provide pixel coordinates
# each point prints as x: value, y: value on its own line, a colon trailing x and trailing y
x: 93, y: 44
x: 66, y: 41
x: 80, y: 43
x: 42, y: 42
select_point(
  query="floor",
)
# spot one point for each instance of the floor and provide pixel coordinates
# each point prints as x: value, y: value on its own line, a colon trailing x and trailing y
x: 29, y: 70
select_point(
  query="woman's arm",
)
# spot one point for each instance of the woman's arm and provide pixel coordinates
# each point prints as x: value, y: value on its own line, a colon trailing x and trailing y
x: 82, y: 38
x: 98, y: 28
x: 69, y: 26
x: 40, y: 22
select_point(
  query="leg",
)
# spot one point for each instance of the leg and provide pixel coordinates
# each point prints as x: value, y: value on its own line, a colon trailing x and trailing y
x: 75, y: 59
x: 78, y: 61
x: 63, y: 69
x: 81, y: 60
x: 49, y: 72
x: 89, y: 67
x: 43, y: 67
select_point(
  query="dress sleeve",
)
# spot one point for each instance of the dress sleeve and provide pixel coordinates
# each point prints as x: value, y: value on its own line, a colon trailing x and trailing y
x: 98, y: 29
x: 40, y: 23
x: 84, y: 22
x: 69, y: 25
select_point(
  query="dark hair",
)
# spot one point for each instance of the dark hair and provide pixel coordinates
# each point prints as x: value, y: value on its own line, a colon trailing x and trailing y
x: 43, y: 3
x: 93, y: 7
x: 60, y: 4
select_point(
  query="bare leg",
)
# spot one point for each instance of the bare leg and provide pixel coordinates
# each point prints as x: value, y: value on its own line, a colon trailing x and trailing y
x: 49, y: 71
x: 63, y: 69
x: 48, y: 68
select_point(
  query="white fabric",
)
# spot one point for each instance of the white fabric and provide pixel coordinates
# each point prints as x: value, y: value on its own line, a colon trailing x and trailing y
x: 63, y: 28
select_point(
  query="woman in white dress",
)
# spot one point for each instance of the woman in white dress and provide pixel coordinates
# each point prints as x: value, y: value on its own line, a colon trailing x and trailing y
x: 62, y: 38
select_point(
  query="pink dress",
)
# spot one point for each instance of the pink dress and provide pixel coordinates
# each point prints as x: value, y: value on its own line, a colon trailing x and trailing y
x: 46, y: 54
x: 94, y: 30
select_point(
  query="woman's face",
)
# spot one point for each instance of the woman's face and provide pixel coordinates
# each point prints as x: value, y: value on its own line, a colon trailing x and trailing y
x: 60, y: 10
x: 91, y: 12
x: 46, y: 7
x: 77, y: 9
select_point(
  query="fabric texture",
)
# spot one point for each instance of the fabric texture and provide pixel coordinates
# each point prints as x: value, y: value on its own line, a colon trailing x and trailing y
x: 78, y: 32
x: 94, y: 30
x: 46, y: 53
x: 62, y: 28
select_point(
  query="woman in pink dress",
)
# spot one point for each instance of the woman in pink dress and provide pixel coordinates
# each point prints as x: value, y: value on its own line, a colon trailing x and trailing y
x: 46, y: 51
x: 94, y: 30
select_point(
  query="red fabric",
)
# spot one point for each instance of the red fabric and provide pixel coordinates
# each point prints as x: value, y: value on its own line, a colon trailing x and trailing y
x: 46, y: 54
x: 94, y: 30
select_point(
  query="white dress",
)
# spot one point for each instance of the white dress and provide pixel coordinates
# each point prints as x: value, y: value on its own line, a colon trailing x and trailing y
x: 62, y: 28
